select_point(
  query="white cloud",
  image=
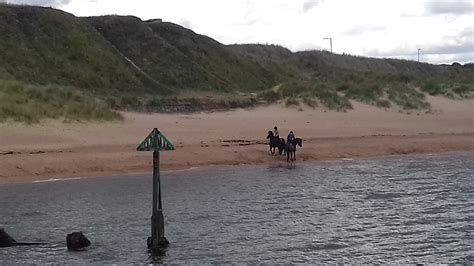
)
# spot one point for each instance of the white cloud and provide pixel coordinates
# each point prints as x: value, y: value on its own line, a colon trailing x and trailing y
x: 185, y: 23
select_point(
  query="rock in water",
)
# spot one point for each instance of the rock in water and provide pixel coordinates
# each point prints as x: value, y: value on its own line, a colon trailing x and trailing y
x: 77, y: 241
x: 5, y: 239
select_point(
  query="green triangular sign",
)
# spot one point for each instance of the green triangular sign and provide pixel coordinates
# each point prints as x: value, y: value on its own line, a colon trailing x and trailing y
x: 155, y: 141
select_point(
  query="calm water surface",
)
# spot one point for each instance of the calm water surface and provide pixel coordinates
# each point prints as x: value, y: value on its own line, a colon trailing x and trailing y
x: 392, y: 209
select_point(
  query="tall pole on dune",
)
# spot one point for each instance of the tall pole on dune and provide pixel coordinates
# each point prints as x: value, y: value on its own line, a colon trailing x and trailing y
x: 330, y: 42
x: 419, y: 55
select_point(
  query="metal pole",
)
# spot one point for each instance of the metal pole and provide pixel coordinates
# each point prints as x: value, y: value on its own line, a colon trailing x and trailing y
x: 157, y: 238
x: 330, y: 42
x: 419, y: 55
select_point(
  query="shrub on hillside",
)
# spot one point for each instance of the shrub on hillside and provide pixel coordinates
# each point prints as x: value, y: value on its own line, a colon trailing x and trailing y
x: 32, y: 103
x: 383, y: 104
x: 309, y: 101
x: 463, y: 90
x: 364, y: 92
x: 292, y: 101
x: 330, y: 99
x: 432, y: 88
x: 407, y: 97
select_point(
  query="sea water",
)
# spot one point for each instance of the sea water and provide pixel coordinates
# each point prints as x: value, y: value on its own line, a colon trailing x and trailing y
x: 394, y: 209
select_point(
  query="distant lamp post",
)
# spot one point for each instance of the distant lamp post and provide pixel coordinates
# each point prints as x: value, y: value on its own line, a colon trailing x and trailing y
x: 330, y: 42
x: 419, y: 55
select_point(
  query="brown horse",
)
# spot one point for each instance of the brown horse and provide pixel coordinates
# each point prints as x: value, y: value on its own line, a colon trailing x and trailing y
x: 291, y: 149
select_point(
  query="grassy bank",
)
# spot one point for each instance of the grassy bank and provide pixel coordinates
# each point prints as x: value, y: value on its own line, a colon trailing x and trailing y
x: 28, y: 103
x: 31, y: 103
x: 184, y: 102
x: 337, y: 97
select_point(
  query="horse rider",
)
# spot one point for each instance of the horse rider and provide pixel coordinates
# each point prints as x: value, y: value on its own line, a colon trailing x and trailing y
x: 275, y: 132
x: 290, y: 138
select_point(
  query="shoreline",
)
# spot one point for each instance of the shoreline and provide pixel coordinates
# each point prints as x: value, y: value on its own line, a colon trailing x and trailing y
x: 313, y: 150
x: 60, y: 150
x: 270, y: 164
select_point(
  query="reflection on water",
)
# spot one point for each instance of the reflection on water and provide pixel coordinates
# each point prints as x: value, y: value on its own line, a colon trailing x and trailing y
x: 393, y: 209
x: 157, y: 255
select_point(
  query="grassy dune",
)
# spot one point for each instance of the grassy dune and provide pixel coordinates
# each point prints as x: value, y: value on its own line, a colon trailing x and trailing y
x: 56, y: 65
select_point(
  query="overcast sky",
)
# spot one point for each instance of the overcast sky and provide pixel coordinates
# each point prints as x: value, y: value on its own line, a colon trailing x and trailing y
x: 443, y: 29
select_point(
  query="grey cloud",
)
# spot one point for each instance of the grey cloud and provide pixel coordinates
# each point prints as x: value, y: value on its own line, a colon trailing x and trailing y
x: 445, y: 59
x: 444, y: 49
x: 463, y: 43
x: 433, y: 58
x: 53, y: 3
x: 452, y: 49
x: 455, y: 7
x: 460, y: 58
x: 310, y: 4
x: 361, y: 29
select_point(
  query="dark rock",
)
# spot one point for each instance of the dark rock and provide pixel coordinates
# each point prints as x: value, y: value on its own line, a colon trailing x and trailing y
x: 8, y: 241
x: 5, y: 239
x: 77, y: 241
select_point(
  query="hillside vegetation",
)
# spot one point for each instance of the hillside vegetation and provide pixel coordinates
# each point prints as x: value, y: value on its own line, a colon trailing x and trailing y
x: 52, y: 63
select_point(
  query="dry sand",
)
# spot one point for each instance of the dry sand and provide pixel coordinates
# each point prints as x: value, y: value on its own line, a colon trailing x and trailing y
x: 54, y: 149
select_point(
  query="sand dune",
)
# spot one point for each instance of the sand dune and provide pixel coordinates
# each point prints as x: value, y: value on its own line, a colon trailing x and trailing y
x: 54, y: 149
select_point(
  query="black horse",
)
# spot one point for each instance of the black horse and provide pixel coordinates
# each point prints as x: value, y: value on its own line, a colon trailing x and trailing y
x: 291, y: 148
x: 276, y: 142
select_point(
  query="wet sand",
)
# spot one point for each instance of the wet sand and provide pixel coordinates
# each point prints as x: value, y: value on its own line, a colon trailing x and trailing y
x: 56, y: 150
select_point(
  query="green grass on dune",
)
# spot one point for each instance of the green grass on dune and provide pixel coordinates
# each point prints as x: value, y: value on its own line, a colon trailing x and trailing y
x: 30, y: 104
x: 337, y: 97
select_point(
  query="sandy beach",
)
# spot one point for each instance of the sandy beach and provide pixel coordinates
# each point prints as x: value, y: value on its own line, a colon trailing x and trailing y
x: 54, y: 149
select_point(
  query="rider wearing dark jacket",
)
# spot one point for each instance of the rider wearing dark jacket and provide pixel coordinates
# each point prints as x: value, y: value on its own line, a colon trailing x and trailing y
x: 290, y: 137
